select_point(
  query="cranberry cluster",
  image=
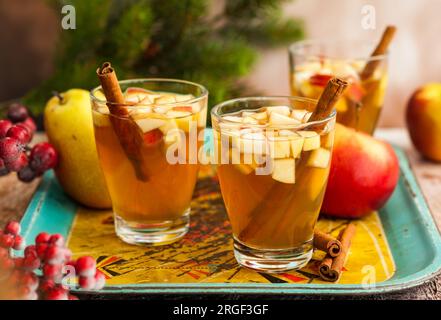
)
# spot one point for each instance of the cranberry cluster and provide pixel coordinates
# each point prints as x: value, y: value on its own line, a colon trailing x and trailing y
x: 18, y: 279
x: 16, y: 133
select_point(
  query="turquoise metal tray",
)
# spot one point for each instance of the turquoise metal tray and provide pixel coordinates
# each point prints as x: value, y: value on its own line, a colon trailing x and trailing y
x: 411, y: 232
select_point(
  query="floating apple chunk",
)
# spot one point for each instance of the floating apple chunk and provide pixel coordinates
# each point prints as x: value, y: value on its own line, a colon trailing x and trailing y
x: 278, y: 162
x: 361, y: 103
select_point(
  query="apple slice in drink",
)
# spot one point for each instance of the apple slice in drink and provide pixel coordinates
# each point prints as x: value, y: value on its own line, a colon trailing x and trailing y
x: 299, y: 114
x: 251, y: 143
x: 284, y: 170
x: 183, y: 108
x: 138, y: 95
x: 260, y: 116
x: 295, y: 140
x: 153, y: 137
x: 149, y: 124
x: 280, y: 147
x: 319, y: 158
x: 282, y: 110
x: 249, y: 120
x: 277, y: 119
x: 165, y: 99
x: 312, y: 140
x: 184, y: 119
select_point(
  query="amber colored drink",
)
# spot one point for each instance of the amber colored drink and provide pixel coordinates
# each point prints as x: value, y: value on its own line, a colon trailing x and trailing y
x: 274, y: 183
x: 360, y: 106
x: 154, y: 210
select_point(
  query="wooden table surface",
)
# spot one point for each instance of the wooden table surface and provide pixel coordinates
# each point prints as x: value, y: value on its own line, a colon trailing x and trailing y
x: 15, y: 196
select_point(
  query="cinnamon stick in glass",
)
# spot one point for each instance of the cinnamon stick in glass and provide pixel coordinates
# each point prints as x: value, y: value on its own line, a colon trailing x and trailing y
x: 330, y: 268
x: 327, y: 243
x: 259, y: 221
x: 129, y: 134
x: 381, y: 48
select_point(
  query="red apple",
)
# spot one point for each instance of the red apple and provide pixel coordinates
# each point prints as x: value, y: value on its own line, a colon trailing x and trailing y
x: 424, y: 120
x: 364, y: 172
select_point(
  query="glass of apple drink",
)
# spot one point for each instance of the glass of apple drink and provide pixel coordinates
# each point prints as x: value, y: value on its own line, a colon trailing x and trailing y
x: 151, y: 194
x: 313, y: 63
x: 273, y: 167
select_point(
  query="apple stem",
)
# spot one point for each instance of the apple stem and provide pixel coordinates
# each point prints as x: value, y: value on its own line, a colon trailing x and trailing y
x: 58, y: 95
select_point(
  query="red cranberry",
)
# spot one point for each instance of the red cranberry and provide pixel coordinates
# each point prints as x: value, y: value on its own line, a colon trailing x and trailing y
x: 46, y: 285
x: 30, y: 251
x: 30, y: 124
x: 43, y: 157
x: 54, y: 255
x: 17, y: 112
x: 42, y: 237
x: 100, y: 280
x: 13, y: 227
x: 86, y: 266
x: 4, y: 127
x: 17, y: 164
x: 41, y: 250
x: 7, y: 240
x: 56, y: 240
x: 26, y: 174
x: 31, y: 263
x: 87, y: 283
x: 57, y: 293
x: 153, y: 137
x: 10, y: 149
x: 52, y: 271
x: 20, y: 133
x: 19, y: 243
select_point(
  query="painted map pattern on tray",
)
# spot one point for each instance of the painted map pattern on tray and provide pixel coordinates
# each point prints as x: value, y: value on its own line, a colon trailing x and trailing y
x: 205, y: 254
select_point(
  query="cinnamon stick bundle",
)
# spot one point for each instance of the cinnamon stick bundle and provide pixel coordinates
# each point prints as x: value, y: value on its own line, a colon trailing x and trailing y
x: 128, y: 132
x: 259, y: 222
x: 330, y: 268
x: 381, y: 48
x: 327, y: 243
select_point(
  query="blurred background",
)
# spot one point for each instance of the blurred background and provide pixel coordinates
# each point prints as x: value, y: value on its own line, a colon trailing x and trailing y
x: 235, y: 47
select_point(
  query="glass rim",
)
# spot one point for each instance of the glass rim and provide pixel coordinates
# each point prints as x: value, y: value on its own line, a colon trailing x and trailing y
x: 215, y: 114
x: 294, y: 49
x: 204, y: 93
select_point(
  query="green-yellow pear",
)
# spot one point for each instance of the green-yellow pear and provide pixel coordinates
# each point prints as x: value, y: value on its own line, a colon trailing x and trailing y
x: 69, y: 127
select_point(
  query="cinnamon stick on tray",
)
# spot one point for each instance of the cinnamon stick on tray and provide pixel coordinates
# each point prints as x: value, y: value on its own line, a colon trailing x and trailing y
x: 259, y: 225
x: 327, y: 243
x: 330, y: 268
x: 129, y: 134
x: 381, y: 48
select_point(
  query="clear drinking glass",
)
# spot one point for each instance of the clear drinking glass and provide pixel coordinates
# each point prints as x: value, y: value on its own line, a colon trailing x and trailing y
x: 313, y: 63
x: 273, y: 168
x: 151, y: 198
